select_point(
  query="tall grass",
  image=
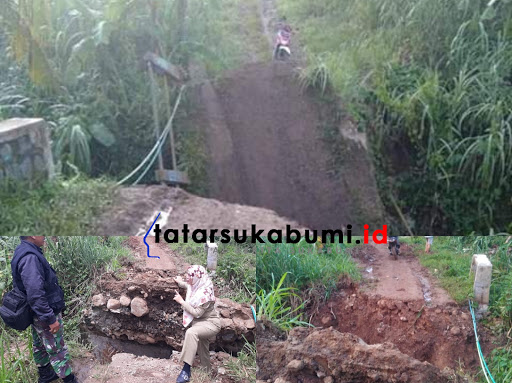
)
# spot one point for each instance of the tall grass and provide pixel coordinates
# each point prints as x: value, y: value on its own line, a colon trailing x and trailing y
x: 305, y: 265
x: 16, y: 363
x: 430, y: 83
x: 67, y: 207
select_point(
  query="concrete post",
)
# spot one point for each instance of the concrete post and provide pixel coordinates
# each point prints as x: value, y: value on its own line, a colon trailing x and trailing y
x: 211, y: 258
x: 25, y: 152
x: 482, y: 268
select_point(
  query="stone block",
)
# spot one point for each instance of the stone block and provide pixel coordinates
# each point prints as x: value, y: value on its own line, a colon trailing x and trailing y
x: 25, y: 152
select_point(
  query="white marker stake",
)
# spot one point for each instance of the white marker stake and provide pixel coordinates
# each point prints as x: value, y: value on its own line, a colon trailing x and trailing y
x: 482, y: 268
x: 211, y: 258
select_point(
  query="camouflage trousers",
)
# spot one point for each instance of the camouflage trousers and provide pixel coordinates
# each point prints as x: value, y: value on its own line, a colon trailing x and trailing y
x: 50, y: 348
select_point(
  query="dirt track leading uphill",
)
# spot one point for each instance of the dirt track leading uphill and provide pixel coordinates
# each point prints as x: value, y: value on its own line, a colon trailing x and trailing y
x: 264, y: 136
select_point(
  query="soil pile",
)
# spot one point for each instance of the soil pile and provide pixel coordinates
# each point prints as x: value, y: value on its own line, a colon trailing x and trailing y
x: 134, y: 206
x: 441, y: 335
x: 327, y: 356
x: 264, y: 137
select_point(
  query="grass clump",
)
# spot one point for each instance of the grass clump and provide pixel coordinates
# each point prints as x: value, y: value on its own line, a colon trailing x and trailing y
x: 448, y: 262
x: 58, y: 206
x: 236, y: 267
x: 243, y: 367
x: 305, y: 271
x: 274, y: 306
x: 306, y: 264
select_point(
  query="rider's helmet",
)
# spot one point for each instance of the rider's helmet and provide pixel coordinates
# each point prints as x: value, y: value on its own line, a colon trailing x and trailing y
x: 287, y: 29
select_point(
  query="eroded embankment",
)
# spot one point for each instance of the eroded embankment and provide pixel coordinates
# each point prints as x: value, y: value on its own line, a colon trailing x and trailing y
x: 137, y: 305
x: 328, y: 356
x: 441, y: 335
x: 272, y: 145
x: 398, y: 325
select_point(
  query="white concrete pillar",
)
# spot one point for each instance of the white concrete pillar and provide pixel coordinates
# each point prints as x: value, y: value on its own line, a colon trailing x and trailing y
x: 212, y: 253
x: 482, y: 267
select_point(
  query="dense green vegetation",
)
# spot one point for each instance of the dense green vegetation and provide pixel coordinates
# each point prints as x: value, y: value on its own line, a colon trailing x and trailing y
x: 429, y: 81
x: 80, y: 66
x: 289, y: 275
x: 67, y: 207
x: 78, y: 261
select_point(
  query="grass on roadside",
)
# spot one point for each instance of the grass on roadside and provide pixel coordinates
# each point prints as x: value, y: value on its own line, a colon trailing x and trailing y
x: 308, y: 265
x: 16, y: 363
x: 448, y: 262
x: 236, y: 267
x: 305, y: 272
x: 59, y: 206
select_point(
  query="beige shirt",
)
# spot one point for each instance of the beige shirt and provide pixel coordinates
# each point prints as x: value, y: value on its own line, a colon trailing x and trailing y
x: 204, y: 312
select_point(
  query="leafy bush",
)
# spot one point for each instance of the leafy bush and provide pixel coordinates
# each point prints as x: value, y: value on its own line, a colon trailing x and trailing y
x: 274, y: 306
x: 79, y: 65
x: 429, y: 81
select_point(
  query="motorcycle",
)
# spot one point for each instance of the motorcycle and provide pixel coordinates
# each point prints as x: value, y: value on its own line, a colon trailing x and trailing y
x: 393, y: 242
x: 282, y: 49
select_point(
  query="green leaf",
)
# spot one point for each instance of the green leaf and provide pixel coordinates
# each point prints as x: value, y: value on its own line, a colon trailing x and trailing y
x: 489, y: 13
x: 101, y: 134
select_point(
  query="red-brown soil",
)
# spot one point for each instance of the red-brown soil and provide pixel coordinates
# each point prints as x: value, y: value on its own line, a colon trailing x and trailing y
x: 398, y: 309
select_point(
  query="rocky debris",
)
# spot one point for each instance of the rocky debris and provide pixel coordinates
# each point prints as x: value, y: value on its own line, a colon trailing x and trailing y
x: 98, y: 300
x: 295, y: 365
x: 113, y: 304
x: 440, y: 334
x: 140, y: 308
x: 327, y: 355
x: 125, y: 301
x: 129, y: 368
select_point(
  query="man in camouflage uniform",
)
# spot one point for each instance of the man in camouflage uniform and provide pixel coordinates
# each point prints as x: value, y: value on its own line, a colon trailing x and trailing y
x: 32, y: 274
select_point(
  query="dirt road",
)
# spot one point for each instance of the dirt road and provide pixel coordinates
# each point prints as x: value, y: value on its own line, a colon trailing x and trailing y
x: 399, y: 302
x: 271, y: 144
x: 403, y: 278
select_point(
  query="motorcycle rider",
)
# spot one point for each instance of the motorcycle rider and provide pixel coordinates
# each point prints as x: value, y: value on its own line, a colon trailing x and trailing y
x: 284, y: 32
x: 394, y: 242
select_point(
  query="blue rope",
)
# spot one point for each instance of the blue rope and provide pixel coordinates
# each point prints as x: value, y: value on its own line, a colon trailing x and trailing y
x: 478, y: 342
x: 253, y: 313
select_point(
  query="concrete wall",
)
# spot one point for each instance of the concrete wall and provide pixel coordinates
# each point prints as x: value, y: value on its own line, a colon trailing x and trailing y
x: 25, y: 152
